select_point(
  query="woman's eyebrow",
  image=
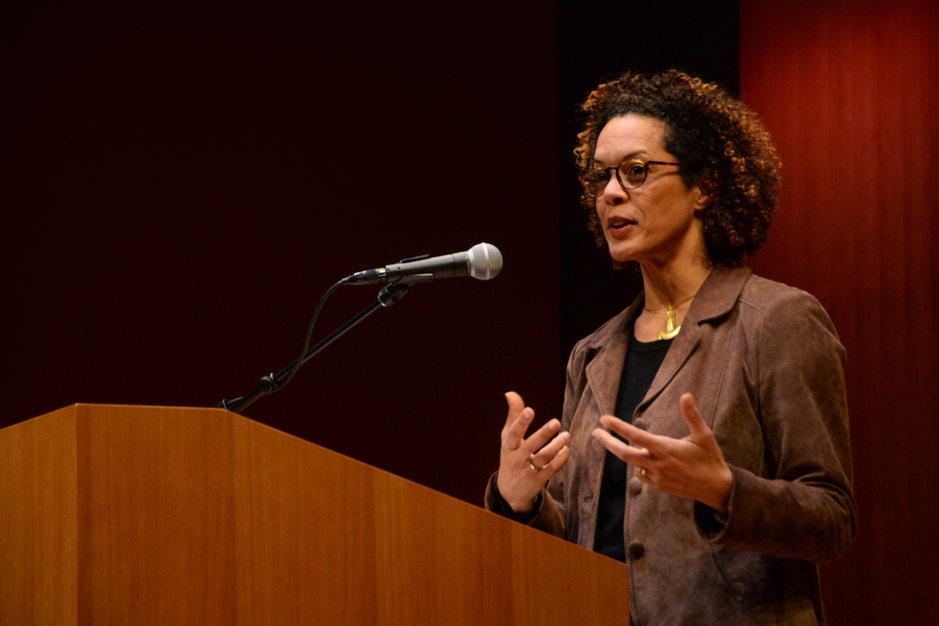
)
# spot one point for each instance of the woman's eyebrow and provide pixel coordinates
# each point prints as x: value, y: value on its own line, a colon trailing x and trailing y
x: 631, y: 155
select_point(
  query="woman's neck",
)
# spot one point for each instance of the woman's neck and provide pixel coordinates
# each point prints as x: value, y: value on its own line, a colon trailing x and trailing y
x: 672, y: 284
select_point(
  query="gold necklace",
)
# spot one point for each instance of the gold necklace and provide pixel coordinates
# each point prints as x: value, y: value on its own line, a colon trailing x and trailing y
x: 670, y: 329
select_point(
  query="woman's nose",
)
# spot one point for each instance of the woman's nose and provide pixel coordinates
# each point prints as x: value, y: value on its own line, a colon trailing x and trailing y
x: 613, y: 193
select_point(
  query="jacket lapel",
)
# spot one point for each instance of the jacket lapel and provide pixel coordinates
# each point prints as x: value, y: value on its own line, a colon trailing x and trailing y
x: 716, y: 298
x: 718, y: 295
x: 606, y: 367
x: 684, y: 344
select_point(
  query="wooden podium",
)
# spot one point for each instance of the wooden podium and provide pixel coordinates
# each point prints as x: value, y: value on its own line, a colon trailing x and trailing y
x: 144, y: 515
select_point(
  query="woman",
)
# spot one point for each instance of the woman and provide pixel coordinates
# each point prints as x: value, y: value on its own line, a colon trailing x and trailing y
x: 704, y: 434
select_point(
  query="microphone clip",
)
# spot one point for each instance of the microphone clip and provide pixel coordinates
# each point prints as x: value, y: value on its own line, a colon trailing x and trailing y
x: 419, y: 257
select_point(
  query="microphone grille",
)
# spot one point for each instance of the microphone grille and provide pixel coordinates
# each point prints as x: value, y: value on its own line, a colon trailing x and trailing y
x: 485, y: 261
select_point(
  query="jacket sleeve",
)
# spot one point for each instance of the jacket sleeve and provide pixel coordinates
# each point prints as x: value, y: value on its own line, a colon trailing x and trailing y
x: 804, y: 506
x: 550, y: 508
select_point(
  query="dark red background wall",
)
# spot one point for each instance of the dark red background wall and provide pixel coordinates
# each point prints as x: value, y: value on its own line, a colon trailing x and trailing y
x: 849, y: 92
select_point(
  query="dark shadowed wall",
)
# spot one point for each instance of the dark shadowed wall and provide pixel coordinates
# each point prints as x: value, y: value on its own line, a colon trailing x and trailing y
x: 849, y: 91
x: 598, y: 41
x: 181, y: 182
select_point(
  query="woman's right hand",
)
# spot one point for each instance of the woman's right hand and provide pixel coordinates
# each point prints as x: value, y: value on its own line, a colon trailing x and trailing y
x: 526, y: 465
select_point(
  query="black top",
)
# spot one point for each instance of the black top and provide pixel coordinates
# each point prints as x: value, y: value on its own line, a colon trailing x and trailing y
x: 639, y: 368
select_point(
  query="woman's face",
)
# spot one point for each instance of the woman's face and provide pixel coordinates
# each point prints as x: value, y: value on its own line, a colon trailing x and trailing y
x: 655, y: 223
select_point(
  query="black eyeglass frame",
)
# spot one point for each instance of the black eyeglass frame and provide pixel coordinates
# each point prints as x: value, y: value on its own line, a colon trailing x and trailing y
x: 598, y: 184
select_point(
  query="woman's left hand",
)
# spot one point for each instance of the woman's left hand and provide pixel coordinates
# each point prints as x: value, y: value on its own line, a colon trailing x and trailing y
x: 692, y: 467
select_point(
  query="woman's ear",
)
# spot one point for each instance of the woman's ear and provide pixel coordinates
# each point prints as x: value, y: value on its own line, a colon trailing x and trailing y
x: 701, y: 200
x: 704, y: 191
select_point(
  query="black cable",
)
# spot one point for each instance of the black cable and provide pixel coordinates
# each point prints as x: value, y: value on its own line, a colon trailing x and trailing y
x: 309, y: 334
x: 268, y: 384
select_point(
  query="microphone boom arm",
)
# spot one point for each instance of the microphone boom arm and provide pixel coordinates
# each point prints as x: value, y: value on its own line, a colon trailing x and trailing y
x: 483, y: 261
x: 388, y: 296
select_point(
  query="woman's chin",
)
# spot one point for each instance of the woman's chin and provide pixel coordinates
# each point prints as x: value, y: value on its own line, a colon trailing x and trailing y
x: 621, y: 253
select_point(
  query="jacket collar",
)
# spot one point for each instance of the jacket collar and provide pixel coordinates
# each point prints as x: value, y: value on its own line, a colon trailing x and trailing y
x: 717, y: 296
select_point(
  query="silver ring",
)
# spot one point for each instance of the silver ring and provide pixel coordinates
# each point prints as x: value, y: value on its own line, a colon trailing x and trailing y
x: 534, y: 467
x: 643, y: 472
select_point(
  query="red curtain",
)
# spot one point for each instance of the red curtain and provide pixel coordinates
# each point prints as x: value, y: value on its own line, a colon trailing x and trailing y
x: 849, y: 92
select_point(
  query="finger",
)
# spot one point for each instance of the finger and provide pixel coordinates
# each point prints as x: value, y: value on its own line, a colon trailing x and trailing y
x: 543, y: 457
x: 512, y: 435
x: 542, y: 436
x: 624, y: 452
x: 692, y: 416
x: 629, y: 432
x: 553, y: 466
x: 516, y: 404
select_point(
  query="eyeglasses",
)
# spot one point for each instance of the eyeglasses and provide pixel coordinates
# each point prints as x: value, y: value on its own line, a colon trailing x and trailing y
x: 630, y: 174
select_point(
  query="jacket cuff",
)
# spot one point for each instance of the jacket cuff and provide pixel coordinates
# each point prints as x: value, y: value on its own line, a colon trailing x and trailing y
x: 496, y: 503
x: 711, y: 523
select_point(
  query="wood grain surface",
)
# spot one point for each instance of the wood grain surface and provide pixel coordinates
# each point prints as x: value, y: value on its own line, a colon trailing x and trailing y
x: 143, y: 515
x: 39, y: 521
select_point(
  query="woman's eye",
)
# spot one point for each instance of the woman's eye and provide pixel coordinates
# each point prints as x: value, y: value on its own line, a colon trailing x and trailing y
x: 635, y: 172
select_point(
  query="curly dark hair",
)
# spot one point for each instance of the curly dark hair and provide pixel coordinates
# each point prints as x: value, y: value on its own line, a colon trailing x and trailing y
x: 721, y: 144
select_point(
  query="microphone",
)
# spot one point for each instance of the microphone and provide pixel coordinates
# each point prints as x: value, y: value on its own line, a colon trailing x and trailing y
x: 482, y: 261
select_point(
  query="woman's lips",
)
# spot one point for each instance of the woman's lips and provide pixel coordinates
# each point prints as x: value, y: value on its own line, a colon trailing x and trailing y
x: 620, y: 226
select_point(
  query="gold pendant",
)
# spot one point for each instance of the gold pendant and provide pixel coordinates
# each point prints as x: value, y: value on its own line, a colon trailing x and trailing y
x: 670, y: 329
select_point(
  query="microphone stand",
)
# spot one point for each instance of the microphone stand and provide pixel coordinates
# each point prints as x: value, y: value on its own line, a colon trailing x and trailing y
x: 268, y: 384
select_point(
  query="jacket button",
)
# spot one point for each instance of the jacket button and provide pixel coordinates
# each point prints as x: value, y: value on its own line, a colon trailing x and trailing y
x: 635, y: 486
x: 641, y: 423
x: 635, y: 550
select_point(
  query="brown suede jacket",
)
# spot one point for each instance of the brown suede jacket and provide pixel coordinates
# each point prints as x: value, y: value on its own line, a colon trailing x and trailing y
x: 765, y: 366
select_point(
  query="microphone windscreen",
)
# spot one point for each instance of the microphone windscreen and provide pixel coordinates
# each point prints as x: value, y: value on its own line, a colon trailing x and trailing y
x: 485, y: 261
